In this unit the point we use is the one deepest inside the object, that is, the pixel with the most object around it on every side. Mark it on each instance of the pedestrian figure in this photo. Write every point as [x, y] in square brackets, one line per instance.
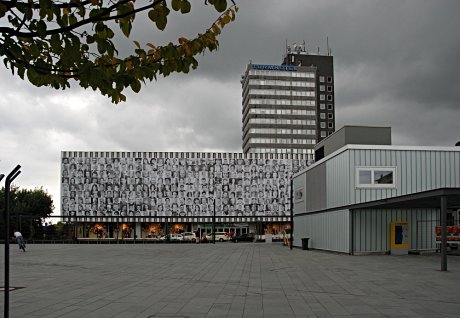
[20, 240]
[285, 239]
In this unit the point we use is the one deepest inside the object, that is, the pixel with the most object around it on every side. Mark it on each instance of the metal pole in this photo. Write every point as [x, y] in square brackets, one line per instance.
[167, 230]
[214, 223]
[443, 233]
[291, 239]
[13, 174]
[135, 234]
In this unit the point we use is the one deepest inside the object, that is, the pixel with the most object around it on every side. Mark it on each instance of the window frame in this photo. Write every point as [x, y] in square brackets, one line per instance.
[372, 169]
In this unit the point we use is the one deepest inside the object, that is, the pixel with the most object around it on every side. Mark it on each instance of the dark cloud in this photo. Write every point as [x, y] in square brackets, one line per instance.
[395, 65]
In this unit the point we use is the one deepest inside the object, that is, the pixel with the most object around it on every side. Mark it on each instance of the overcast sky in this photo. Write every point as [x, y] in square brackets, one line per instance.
[396, 64]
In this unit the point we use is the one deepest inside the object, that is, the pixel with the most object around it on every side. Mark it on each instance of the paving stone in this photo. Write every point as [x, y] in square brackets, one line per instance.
[225, 281]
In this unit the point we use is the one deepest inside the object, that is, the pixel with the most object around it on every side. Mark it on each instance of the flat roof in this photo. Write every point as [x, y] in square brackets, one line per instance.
[378, 147]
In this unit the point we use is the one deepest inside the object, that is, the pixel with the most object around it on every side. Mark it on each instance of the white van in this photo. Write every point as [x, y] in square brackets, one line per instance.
[189, 236]
[220, 236]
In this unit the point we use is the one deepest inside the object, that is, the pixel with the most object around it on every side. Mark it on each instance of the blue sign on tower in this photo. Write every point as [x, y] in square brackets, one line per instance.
[274, 67]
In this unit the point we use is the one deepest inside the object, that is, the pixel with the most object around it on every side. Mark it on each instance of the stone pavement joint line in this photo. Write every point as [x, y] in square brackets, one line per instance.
[227, 280]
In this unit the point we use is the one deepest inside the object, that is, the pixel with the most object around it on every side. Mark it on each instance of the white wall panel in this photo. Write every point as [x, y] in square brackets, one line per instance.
[327, 231]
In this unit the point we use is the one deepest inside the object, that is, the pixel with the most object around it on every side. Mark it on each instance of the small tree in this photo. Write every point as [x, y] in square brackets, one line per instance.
[53, 42]
[27, 209]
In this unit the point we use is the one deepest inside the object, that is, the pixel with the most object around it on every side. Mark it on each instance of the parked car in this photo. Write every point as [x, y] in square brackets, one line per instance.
[243, 238]
[171, 237]
[153, 237]
[189, 236]
[220, 236]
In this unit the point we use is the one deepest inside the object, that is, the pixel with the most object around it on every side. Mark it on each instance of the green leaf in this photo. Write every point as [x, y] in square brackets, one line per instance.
[176, 5]
[101, 46]
[220, 5]
[153, 15]
[33, 76]
[110, 33]
[136, 86]
[72, 19]
[186, 7]
[94, 12]
[45, 3]
[33, 49]
[41, 29]
[65, 20]
[55, 42]
[3, 10]
[126, 27]
[161, 22]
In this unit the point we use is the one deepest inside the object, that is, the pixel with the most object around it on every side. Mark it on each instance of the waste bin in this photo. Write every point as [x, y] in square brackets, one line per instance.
[305, 243]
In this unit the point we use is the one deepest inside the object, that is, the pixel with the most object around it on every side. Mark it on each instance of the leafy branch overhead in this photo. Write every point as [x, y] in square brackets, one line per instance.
[54, 42]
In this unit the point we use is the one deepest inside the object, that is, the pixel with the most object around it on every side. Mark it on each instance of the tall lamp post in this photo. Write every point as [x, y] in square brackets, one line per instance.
[291, 239]
[13, 174]
[214, 223]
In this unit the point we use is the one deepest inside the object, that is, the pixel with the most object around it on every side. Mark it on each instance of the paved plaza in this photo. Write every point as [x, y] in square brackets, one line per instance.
[226, 280]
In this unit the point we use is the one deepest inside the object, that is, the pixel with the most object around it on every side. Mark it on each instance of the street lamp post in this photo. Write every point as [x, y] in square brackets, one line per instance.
[291, 239]
[214, 223]
[13, 174]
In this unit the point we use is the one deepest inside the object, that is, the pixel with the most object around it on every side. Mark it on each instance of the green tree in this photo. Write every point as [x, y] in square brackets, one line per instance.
[54, 42]
[27, 209]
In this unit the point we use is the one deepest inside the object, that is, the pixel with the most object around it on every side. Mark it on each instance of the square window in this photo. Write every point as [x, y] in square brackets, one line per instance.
[329, 79]
[323, 134]
[322, 124]
[330, 107]
[365, 177]
[329, 97]
[322, 106]
[330, 125]
[330, 116]
[383, 177]
[322, 88]
[322, 97]
[329, 88]
[321, 79]
[322, 116]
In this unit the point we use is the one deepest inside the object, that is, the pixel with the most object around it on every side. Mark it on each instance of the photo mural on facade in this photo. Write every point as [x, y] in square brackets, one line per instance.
[159, 187]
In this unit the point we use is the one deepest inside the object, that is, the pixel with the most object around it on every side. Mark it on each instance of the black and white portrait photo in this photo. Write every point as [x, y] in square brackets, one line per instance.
[177, 186]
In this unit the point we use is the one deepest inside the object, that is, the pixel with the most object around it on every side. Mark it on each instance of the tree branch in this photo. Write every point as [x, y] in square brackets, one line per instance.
[14, 4]
[98, 17]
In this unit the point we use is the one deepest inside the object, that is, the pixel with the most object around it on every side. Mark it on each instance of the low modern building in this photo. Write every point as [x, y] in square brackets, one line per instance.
[146, 194]
[366, 196]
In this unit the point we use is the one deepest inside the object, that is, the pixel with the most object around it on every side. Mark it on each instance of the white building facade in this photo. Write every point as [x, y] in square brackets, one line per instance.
[347, 201]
